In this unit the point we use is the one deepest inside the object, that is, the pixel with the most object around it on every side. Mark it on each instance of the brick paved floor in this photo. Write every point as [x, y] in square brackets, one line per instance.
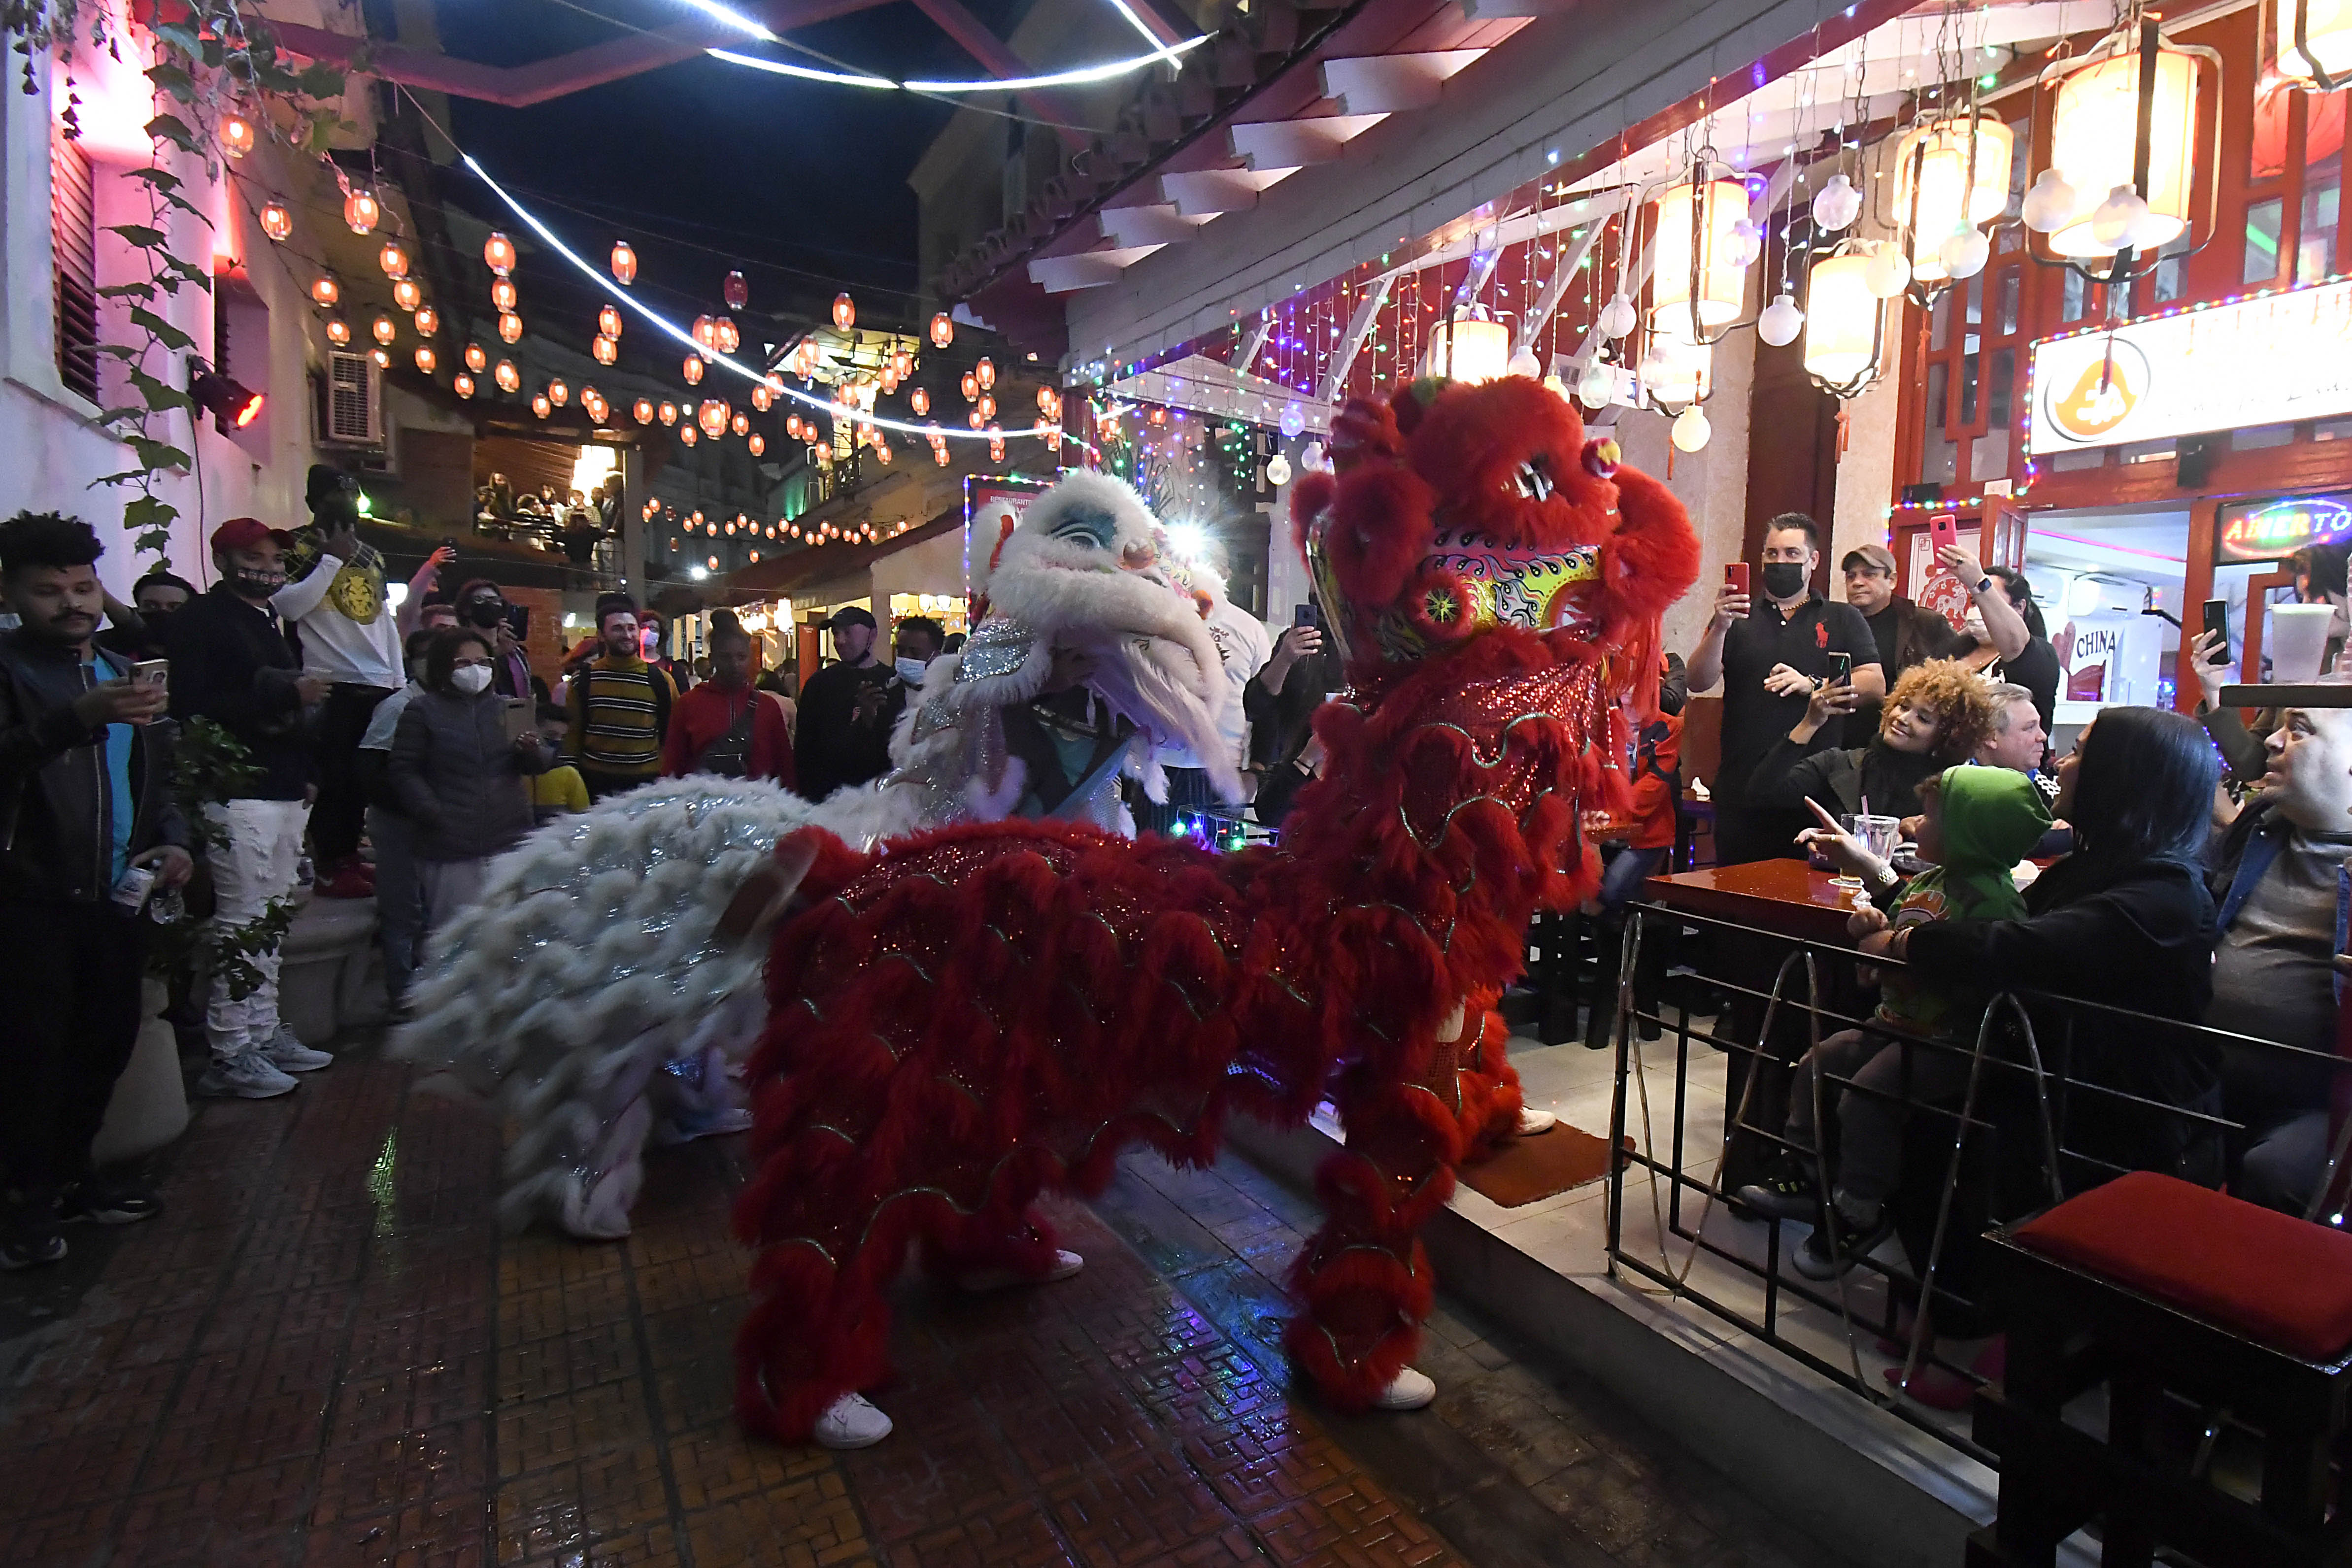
[325, 1354]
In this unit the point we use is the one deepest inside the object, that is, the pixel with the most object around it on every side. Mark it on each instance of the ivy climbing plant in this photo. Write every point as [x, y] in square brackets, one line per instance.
[212, 59]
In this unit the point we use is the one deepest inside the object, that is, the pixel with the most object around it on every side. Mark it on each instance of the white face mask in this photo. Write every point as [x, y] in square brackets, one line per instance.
[471, 679]
[910, 670]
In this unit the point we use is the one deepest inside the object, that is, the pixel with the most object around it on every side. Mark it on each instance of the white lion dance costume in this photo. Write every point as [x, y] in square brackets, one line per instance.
[592, 990]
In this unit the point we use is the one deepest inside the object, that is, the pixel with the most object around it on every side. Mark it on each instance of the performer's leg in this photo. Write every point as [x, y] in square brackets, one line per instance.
[1365, 1282]
[1007, 1243]
[1488, 1101]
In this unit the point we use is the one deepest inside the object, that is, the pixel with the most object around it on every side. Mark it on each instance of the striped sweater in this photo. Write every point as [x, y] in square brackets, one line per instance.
[620, 712]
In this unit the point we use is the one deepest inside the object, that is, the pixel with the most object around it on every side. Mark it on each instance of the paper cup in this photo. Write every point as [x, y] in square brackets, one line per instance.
[2298, 641]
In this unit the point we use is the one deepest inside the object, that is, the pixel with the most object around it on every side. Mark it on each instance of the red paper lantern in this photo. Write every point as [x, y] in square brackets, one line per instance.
[693, 370]
[987, 406]
[338, 332]
[669, 413]
[464, 384]
[762, 399]
[942, 331]
[558, 393]
[759, 444]
[844, 312]
[476, 360]
[713, 417]
[502, 294]
[499, 254]
[406, 294]
[426, 358]
[986, 371]
[643, 411]
[606, 350]
[275, 220]
[383, 359]
[741, 423]
[237, 135]
[361, 211]
[507, 377]
[393, 259]
[608, 321]
[903, 361]
[384, 331]
[625, 262]
[971, 384]
[428, 322]
[735, 291]
[511, 326]
[326, 292]
[920, 401]
[724, 332]
[686, 433]
[540, 405]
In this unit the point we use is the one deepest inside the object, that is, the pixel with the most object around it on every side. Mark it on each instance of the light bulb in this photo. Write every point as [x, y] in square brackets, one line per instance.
[1781, 321]
[1964, 253]
[2118, 218]
[1594, 387]
[1524, 363]
[1314, 457]
[2050, 204]
[1889, 272]
[1277, 470]
[1837, 203]
[1617, 316]
[1691, 429]
[1747, 243]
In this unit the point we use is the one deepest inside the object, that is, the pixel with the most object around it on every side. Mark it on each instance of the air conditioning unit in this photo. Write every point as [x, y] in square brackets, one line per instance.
[350, 408]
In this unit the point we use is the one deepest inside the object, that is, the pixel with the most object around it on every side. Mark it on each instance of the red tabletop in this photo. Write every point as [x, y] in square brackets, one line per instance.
[1785, 895]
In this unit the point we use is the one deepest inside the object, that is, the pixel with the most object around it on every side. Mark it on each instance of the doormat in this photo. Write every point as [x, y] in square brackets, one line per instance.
[1527, 1170]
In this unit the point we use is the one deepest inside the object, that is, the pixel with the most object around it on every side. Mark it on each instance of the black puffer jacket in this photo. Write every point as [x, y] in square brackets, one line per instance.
[459, 778]
[55, 839]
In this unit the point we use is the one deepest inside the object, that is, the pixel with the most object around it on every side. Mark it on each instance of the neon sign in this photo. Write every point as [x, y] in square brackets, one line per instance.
[2272, 530]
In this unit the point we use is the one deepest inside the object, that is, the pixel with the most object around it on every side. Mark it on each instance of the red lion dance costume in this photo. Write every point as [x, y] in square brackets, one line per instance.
[984, 1012]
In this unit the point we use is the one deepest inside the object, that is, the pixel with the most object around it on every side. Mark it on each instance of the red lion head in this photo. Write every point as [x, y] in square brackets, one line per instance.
[1458, 508]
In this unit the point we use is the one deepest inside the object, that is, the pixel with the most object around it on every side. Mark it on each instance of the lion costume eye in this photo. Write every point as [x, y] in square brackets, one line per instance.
[1087, 527]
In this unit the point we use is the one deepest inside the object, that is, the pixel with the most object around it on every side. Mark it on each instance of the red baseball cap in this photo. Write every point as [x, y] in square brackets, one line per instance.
[244, 533]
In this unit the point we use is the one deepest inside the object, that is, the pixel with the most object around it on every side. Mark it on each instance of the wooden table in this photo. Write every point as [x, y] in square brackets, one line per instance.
[1787, 896]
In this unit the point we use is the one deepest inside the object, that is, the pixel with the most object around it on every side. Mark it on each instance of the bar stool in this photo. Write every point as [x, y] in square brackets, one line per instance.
[2153, 1286]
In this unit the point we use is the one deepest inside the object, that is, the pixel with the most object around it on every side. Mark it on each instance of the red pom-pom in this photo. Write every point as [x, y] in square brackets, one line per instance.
[1441, 605]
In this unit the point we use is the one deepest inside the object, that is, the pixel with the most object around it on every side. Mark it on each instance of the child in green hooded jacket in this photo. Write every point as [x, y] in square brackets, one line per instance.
[1975, 823]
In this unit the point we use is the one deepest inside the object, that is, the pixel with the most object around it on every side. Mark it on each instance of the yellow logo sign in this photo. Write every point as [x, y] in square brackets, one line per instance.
[2102, 396]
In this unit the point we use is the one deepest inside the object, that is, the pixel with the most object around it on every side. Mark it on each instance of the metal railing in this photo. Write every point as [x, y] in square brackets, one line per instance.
[2025, 1084]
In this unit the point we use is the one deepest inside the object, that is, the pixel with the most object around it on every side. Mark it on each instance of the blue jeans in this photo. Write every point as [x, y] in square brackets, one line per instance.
[1627, 869]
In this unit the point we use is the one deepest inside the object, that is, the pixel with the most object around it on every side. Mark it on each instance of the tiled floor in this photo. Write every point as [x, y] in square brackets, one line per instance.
[325, 1353]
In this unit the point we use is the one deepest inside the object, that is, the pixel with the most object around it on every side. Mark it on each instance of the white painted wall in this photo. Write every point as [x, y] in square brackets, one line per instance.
[55, 446]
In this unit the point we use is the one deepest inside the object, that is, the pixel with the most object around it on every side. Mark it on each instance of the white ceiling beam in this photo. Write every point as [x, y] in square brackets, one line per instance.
[1392, 84]
[1296, 143]
[1133, 226]
[1206, 192]
[1359, 327]
[1088, 269]
[1257, 343]
[1555, 290]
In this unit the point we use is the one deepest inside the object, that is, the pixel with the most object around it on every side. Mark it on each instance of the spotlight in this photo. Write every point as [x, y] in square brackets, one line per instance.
[232, 406]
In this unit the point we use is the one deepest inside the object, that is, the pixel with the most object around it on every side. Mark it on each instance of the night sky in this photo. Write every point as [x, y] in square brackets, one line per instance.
[803, 184]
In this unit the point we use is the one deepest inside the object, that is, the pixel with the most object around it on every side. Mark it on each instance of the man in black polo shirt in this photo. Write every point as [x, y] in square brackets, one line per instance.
[1770, 658]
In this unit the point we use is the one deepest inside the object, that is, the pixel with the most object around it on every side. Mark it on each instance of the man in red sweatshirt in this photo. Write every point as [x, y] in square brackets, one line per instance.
[725, 725]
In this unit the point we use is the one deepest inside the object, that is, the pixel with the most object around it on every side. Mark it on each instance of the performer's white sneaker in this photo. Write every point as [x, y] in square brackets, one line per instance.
[1409, 1390]
[1532, 1121]
[851, 1421]
[980, 1281]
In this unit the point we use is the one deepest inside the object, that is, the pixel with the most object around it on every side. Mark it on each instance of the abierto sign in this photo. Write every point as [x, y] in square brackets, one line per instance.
[2262, 360]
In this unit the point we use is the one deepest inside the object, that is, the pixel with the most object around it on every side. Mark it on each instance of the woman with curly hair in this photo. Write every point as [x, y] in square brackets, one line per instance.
[1938, 713]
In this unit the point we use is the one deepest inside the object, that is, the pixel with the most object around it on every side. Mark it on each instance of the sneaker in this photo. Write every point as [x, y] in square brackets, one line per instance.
[1532, 1122]
[1815, 1260]
[982, 1280]
[108, 1204]
[1785, 1188]
[289, 1054]
[1409, 1390]
[248, 1075]
[31, 1251]
[851, 1422]
[353, 879]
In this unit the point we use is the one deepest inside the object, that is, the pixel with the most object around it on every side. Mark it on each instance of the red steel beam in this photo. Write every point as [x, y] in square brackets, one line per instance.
[520, 87]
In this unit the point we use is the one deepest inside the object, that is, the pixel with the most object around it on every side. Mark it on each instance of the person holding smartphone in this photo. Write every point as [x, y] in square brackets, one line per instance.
[1771, 653]
[88, 829]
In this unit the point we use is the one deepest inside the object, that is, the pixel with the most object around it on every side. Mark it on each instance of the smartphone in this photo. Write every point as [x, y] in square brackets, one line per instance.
[2217, 622]
[1841, 669]
[152, 673]
[1306, 615]
[1735, 576]
[1944, 531]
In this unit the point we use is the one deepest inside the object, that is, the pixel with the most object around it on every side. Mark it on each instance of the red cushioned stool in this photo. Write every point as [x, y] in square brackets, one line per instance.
[2154, 1288]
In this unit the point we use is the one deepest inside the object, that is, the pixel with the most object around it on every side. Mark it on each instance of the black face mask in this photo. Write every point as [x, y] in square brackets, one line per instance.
[1784, 579]
[258, 584]
[486, 612]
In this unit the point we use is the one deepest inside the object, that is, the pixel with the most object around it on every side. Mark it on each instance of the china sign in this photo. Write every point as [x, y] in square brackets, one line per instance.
[2264, 360]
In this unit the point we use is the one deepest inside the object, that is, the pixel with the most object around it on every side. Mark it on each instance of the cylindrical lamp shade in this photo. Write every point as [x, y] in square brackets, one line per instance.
[2094, 137]
[2326, 46]
[1470, 350]
[1708, 213]
[1677, 373]
[1841, 321]
[1939, 193]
